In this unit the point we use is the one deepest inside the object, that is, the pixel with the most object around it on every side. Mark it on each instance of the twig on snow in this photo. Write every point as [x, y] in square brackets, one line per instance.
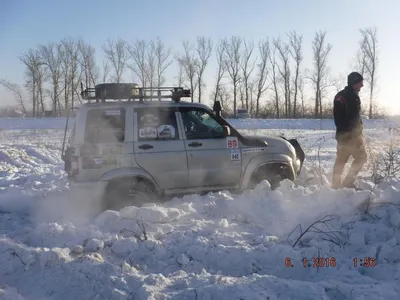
[137, 235]
[323, 221]
[143, 228]
[14, 254]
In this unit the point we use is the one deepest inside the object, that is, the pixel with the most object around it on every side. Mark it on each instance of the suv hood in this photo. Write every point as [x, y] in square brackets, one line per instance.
[275, 144]
[270, 140]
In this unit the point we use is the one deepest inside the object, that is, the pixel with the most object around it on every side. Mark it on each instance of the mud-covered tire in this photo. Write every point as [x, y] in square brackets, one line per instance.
[274, 174]
[129, 192]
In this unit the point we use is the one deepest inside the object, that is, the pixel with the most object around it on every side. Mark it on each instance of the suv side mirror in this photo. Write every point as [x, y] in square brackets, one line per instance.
[227, 130]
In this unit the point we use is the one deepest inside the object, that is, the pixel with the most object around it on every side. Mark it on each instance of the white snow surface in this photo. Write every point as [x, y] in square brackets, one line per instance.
[218, 246]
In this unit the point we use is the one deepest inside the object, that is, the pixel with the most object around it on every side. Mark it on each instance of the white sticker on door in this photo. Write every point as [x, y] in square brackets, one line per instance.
[235, 155]
[166, 131]
[148, 133]
[232, 142]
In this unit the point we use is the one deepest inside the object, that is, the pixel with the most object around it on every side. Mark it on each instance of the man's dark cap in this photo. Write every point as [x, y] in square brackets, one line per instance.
[353, 78]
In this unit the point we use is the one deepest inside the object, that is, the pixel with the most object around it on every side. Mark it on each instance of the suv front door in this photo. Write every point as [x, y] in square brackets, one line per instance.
[158, 147]
[214, 160]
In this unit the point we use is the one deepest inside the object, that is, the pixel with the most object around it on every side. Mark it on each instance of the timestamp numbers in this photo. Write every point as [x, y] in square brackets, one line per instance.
[316, 262]
[319, 262]
[368, 262]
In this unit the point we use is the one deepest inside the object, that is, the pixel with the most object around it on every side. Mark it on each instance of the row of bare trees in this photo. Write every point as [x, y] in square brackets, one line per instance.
[266, 77]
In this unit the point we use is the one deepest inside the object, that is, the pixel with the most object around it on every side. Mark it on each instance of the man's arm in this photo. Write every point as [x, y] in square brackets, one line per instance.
[340, 113]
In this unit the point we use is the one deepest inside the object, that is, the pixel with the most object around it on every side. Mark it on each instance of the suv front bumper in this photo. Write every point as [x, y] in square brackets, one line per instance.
[300, 155]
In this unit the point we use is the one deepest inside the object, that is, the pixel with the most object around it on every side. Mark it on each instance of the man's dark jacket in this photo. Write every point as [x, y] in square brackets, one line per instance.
[347, 114]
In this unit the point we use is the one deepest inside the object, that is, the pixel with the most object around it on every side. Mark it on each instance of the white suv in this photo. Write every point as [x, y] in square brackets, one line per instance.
[136, 150]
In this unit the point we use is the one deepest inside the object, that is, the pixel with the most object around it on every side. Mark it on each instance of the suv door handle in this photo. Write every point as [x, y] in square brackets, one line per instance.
[145, 147]
[195, 144]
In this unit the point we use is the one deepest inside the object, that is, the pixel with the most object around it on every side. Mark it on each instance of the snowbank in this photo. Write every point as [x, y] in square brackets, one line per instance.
[217, 246]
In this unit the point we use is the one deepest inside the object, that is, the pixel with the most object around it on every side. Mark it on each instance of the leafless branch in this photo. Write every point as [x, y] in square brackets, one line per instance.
[204, 50]
[116, 53]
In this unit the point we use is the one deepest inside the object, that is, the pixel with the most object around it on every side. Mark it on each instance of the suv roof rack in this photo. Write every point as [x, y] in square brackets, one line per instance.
[131, 91]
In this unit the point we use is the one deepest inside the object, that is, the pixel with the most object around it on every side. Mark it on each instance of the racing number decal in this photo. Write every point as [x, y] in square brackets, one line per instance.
[235, 156]
[232, 142]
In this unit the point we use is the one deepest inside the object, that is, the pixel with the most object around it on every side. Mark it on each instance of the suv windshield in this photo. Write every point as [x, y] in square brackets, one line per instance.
[199, 123]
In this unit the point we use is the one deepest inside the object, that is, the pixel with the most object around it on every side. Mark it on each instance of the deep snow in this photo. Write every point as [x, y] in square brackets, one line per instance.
[218, 246]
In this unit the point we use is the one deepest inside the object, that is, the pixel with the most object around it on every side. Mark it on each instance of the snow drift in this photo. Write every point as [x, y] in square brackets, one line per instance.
[302, 241]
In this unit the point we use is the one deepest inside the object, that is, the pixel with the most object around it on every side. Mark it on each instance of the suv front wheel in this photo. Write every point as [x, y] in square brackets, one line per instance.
[273, 173]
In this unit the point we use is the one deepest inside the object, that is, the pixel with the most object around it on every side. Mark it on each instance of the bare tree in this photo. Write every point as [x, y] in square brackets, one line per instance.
[221, 65]
[284, 71]
[369, 45]
[224, 96]
[66, 65]
[252, 91]
[262, 75]
[319, 75]
[34, 74]
[275, 81]
[180, 76]
[88, 63]
[247, 68]
[71, 60]
[339, 82]
[15, 89]
[151, 64]
[360, 62]
[242, 94]
[301, 95]
[204, 50]
[116, 53]
[54, 71]
[296, 51]
[106, 71]
[189, 63]
[52, 56]
[233, 59]
[41, 77]
[150, 61]
[138, 53]
[163, 61]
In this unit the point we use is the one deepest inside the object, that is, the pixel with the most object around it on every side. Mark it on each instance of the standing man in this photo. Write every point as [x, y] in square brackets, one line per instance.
[349, 132]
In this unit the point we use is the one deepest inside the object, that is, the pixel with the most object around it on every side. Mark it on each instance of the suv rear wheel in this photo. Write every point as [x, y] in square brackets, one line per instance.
[129, 192]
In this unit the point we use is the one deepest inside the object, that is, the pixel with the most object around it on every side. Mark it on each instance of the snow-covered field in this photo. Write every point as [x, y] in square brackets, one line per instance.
[219, 246]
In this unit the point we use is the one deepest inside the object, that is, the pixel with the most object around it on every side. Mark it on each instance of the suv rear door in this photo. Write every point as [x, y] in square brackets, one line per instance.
[100, 143]
[213, 159]
[158, 146]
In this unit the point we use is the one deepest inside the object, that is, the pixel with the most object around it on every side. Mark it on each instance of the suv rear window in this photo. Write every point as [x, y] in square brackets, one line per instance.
[105, 126]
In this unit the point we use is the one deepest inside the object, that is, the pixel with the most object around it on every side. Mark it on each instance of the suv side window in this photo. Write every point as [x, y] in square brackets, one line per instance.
[156, 124]
[200, 124]
[105, 125]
